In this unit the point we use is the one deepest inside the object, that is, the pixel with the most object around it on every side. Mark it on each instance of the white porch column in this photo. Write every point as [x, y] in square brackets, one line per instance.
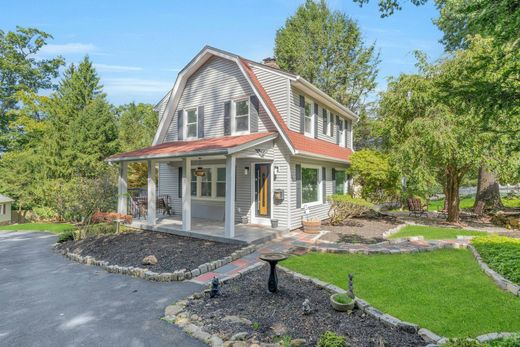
[186, 194]
[122, 188]
[229, 226]
[152, 189]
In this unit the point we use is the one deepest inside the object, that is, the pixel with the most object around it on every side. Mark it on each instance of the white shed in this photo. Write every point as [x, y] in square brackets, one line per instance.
[5, 209]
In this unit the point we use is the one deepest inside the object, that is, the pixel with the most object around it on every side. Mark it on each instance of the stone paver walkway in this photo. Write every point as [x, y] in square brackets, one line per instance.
[297, 242]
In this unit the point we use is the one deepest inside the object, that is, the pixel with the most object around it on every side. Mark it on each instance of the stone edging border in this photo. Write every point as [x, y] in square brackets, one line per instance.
[427, 335]
[179, 275]
[502, 282]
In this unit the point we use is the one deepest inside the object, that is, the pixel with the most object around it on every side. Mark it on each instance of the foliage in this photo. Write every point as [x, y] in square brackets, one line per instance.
[21, 72]
[109, 217]
[331, 339]
[371, 169]
[434, 233]
[444, 290]
[90, 230]
[326, 48]
[342, 298]
[45, 213]
[67, 235]
[502, 254]
[512, 341]
[343, 207]
[365, 130]
[462, 343]
[388, 7]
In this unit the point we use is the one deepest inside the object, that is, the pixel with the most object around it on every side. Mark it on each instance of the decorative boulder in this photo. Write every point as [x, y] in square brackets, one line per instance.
[149, 260]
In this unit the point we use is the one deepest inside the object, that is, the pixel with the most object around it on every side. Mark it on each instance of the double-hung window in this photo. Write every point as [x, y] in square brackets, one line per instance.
[308, 124]
[241, 116]
[191, 123]
[340, 181]
[211, 185]
[311, 182]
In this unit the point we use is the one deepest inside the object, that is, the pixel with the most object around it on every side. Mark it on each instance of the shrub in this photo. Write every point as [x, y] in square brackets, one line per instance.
[502, 254]
[109, 217]
[97, 229]
[45, 213]
[344, 206]
[66, 236]
[331, 339]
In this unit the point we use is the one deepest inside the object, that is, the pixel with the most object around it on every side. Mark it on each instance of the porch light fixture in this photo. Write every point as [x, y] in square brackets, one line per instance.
[276, 170]
[200, 172]
[246, 170]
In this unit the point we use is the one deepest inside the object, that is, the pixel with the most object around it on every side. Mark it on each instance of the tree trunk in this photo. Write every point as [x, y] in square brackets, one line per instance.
[488, 189]
[452, 195]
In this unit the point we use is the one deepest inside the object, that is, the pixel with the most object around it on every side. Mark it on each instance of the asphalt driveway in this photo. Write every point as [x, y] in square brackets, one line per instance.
[48, 300]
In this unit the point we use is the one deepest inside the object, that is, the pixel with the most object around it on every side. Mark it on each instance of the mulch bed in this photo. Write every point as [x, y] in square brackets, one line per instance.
[273, 316]
[360, 230]
[172, 252]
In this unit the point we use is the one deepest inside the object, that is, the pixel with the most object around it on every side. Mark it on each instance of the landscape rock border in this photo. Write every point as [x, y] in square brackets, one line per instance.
[427, 335]
[502, 282]
[179, 275]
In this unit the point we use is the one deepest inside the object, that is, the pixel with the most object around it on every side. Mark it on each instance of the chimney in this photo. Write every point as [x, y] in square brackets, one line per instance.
[271, 62]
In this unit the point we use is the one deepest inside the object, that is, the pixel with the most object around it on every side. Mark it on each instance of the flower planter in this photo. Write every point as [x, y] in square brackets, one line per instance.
[341, 305]
[312, 226]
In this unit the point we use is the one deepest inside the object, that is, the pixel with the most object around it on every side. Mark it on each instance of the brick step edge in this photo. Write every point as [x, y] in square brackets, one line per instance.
[502, 282]
[179, 275]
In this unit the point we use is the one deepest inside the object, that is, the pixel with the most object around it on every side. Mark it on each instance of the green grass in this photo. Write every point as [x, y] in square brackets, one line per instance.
[444, 291]
[434, 233]
[53, 228]
[468, 202]
[502, 254]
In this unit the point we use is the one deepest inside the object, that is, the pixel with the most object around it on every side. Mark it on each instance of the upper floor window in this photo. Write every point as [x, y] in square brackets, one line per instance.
[191, 123]
[241, 116]
[308, 124]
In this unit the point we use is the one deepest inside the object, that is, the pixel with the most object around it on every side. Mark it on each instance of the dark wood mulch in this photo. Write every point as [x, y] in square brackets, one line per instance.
[360, 230]
[281, 314]
[172, 252]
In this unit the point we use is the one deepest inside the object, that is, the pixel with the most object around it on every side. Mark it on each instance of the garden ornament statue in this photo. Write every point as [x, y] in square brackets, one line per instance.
[215, 288]
[350, 291]
[306, 307]
[306, 211]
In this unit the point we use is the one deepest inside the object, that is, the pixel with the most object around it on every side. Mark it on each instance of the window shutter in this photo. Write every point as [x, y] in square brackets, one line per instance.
[253, 113]
[348, 134]
[298, 186]
[337, 129]
[180, 127]
[325, 123]
[200, 121]
[179, 183]
[302, 114]
[315, 120]
[324, 184]
[333, 181]
[227, 118]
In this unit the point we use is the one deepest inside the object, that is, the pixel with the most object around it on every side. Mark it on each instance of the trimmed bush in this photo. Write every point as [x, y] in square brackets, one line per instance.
[109, 217]
[66, 236]
[343, 207]
[502, 254]
[331, 339]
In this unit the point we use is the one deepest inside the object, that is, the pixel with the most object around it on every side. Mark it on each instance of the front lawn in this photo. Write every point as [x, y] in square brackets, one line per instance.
[434, 233]
[444, 291]
[53, 228]
[502, 254]
[468, 202]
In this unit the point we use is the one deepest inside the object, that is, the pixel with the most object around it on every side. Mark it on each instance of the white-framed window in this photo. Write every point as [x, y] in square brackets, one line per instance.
[341, 132]
[328, 126]
[311, 185]
[192, 125]
[308, 122]
[241, 116]
[211, 186]
[341, 178]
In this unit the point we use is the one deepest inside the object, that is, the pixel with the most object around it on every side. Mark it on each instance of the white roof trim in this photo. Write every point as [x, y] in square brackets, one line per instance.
[251, 144]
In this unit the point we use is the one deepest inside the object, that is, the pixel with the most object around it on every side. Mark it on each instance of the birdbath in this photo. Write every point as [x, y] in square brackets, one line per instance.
[118, 222]
[273, 259]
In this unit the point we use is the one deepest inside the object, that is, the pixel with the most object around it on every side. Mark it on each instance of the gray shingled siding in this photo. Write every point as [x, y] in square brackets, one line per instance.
[276, 87]
[217, 81]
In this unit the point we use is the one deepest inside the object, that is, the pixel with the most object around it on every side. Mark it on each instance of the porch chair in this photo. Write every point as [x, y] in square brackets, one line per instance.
[163, 205]
[416, 208]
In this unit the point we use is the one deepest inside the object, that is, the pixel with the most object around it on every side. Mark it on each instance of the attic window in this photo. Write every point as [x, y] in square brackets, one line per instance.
[241, 119]
[191, 123]
[308, 121]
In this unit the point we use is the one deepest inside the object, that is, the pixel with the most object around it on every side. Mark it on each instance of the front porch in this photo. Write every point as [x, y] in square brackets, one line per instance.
[210, 230]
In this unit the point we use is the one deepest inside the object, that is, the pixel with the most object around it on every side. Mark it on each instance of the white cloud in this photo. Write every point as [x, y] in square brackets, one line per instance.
[117, 68]
[68, 48]
[135, 85]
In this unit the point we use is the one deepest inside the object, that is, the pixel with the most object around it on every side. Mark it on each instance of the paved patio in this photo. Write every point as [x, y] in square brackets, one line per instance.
[211, 230]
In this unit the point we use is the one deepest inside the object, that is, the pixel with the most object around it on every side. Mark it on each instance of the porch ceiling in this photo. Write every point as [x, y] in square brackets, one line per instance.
[196, 148]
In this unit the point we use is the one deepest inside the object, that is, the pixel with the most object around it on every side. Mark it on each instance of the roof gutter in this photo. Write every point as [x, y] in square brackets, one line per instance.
[171, 155]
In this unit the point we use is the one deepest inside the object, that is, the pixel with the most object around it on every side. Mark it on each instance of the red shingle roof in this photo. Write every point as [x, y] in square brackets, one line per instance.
[178, 148]
[298, 140]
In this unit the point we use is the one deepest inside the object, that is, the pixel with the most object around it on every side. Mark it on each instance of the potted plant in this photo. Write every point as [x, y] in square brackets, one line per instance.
[312, 226]
[342, 302]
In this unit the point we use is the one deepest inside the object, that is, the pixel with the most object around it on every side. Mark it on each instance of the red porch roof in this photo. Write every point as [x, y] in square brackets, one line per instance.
[217, 145]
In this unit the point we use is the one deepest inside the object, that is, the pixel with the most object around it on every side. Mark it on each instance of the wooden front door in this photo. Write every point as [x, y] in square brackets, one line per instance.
[262, 189]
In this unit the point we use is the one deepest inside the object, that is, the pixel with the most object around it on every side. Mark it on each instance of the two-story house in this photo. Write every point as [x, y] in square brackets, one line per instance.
[241, 142]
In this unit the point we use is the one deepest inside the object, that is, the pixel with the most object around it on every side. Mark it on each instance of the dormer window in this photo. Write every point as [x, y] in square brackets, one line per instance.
[309, 120]
[241, 116]
[191, 123]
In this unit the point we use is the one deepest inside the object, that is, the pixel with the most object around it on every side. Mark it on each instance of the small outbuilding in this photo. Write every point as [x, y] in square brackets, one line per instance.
[5, 209]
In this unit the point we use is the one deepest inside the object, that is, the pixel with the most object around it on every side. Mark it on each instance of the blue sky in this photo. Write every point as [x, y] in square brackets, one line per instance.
[139, 46]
